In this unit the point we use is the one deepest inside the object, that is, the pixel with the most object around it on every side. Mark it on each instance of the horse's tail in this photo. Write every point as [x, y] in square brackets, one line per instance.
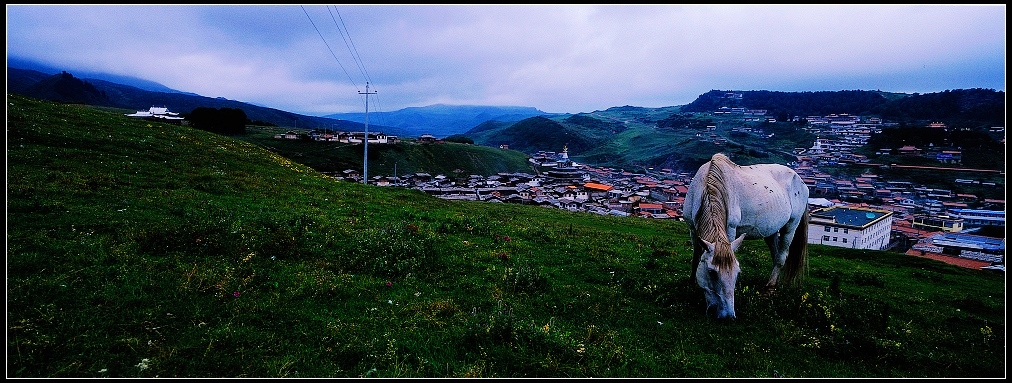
[797, 256]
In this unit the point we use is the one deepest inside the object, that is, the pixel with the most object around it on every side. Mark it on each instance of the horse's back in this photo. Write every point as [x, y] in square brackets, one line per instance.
[770, 194]
[761, 196]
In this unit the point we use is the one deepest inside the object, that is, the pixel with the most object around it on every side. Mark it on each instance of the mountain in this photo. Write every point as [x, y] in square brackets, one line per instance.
[983, 106]
[442, 120]
[65, 87]
[18, 80]
[538, 134]
[681, 137]
[675, 137]
[620, 137]
[17, 62]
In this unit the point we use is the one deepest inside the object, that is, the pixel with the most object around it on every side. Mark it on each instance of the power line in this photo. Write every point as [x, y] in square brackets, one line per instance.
[328, 47]
[349, 43]
[361, 66]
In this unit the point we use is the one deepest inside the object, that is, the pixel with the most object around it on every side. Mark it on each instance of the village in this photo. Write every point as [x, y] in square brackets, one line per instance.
[919, 221]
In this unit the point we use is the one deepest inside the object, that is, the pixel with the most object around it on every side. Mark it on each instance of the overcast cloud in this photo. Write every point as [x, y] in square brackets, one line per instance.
[557, 58]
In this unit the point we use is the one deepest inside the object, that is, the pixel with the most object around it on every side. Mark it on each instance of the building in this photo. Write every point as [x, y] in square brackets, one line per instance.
[943, 222]
[853, 227]
[157, 113]
[961, 246]
[426, 139]
[979, 218]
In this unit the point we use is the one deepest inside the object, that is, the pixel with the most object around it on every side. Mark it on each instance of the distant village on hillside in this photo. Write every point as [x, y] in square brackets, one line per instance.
[919, 221]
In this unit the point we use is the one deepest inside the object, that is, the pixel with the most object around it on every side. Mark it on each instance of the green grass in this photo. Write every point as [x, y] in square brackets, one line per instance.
[406, 157]
[630, 138]
[136, 249]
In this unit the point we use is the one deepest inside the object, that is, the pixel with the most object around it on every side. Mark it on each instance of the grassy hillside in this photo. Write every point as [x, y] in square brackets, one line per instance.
[403, 158]
[637, 138]
[137, 249]
[40, 85]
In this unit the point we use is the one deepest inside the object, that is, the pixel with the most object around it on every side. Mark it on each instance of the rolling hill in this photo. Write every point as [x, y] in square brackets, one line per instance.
[680, 137]
[138, 249]
[24, 64]
[399, 159]
[443, 120]
[64, 87]
[626, 137]
[635, 138]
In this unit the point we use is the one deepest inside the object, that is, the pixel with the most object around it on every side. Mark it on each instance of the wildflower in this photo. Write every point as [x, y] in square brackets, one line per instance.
[235, 294]
[389, 283]
[143, 365]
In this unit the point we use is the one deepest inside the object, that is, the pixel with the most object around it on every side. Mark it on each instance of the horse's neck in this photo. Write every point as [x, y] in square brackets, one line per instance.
[713, 210]
[712, 220]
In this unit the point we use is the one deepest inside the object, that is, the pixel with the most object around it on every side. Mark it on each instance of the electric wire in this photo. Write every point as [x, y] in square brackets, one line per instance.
[353, 50]
[328, 47]
[348, 42]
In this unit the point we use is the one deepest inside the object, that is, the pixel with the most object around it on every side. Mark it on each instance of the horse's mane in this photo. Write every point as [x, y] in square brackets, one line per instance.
[711, 219]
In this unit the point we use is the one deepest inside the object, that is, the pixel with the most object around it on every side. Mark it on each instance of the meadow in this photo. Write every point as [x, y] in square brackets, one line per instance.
[140, 249]
[400, 159]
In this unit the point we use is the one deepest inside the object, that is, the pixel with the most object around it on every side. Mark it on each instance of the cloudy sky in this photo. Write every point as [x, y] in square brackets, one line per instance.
[316, 59]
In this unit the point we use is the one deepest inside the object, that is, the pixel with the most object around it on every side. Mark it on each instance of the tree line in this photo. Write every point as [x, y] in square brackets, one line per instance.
[967, 107]
[224, 121]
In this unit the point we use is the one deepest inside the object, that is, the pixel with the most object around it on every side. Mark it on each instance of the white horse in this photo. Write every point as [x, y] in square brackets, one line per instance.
[725, 201]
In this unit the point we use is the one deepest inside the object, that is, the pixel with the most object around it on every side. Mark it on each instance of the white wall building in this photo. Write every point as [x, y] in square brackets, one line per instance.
[156, 112]
[853, 227]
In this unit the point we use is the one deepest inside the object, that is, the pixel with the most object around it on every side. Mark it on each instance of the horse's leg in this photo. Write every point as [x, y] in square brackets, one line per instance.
[697, 252]
[780, 247]
[779, 257]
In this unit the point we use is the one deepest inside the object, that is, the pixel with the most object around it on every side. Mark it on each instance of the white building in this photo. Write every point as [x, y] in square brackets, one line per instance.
[853, 227]
[156, 112]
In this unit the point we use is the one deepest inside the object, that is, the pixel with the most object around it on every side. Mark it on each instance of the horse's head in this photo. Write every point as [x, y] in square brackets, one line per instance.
[717, 274]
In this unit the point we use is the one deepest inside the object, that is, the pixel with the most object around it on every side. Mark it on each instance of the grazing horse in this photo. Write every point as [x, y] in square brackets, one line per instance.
[726, 201]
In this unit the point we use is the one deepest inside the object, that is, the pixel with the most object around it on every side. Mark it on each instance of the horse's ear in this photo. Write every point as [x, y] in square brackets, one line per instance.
[709, 245]
[737, 242]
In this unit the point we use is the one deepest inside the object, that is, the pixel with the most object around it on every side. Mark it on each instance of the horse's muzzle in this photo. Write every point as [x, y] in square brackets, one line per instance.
[715, 312]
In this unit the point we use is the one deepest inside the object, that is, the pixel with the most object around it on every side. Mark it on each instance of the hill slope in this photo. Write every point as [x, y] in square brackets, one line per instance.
[442, 120]
[48, 87]
[638, 138]
[399, 159]
[18, 63]
[137, 249]
[680, 137]
[953, 107]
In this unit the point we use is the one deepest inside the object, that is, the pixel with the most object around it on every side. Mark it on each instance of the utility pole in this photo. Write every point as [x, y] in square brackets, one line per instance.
[365, 157]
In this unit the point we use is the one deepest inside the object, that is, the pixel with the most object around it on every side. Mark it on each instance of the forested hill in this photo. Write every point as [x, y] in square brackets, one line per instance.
[982, 106]
[67, 88]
